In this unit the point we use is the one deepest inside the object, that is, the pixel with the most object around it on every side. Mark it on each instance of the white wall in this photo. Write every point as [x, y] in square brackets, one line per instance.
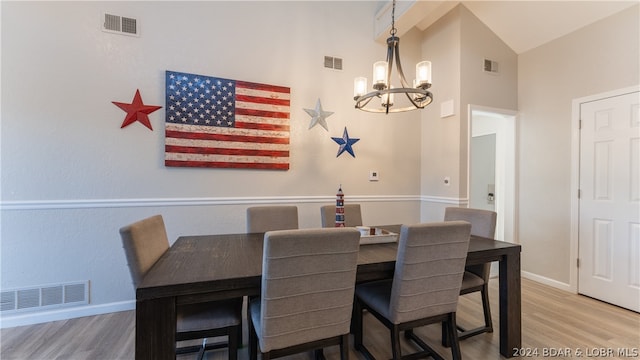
[71, 176]
[598, 58]
[601, 57]
[441, 136]
[458, 43]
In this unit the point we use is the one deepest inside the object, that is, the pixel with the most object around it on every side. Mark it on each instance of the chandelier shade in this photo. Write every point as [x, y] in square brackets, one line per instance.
[417, 94]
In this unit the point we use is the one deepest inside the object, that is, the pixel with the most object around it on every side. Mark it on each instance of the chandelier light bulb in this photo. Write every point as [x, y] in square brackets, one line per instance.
[359, 86]
[423, 73]
[380, 74]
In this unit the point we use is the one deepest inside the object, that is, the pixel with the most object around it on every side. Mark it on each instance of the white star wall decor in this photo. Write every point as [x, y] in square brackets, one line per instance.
[319, 116]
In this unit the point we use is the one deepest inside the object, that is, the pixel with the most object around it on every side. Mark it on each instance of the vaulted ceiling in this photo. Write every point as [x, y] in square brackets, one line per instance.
[522, 25]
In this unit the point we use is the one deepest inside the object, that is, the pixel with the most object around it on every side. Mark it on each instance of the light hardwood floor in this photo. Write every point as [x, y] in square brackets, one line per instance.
[552, 320]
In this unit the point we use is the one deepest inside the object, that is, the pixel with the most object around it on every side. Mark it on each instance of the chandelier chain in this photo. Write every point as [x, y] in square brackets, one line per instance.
[393, 20]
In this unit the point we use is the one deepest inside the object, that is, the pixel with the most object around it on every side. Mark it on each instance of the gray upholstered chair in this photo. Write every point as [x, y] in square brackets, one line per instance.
[266, 218]
[476, 277]
[425, 287]
[144, 242]
[352, 215]
[308, 280]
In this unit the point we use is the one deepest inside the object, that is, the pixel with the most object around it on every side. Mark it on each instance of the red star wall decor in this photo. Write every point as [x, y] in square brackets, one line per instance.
[137, 111]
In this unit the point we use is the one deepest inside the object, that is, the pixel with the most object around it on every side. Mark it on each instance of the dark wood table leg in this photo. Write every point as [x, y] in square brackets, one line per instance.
[510, 304]
[156, 329]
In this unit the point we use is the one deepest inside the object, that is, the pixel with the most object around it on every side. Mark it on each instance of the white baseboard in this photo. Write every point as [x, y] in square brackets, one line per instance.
[547, 281]
[64, 314]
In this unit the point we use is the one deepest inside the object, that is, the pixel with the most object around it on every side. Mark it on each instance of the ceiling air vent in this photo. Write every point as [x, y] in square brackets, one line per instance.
[120, 25]
[490, 66]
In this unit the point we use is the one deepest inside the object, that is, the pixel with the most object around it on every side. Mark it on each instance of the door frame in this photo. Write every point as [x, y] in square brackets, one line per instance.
[575, 177]
[510, 223]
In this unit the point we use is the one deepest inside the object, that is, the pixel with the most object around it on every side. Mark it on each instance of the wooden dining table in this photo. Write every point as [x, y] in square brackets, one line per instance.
[212, 267]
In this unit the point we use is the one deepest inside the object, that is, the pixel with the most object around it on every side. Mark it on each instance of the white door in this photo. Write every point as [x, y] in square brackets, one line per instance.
[482, 186]
[609, 223]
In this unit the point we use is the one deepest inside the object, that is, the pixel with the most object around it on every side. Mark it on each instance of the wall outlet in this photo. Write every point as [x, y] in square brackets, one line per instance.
[374, 175]
[447, 181]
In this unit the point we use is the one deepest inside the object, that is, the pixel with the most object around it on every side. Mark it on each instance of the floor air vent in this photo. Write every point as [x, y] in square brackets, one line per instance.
[44, 297]
[120, 25]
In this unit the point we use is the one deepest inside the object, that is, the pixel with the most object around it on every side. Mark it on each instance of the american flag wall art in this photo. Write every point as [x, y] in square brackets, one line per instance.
[222, 123]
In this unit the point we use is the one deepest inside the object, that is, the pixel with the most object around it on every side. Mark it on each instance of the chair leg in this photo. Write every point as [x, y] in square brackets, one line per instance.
[344, 347]
[408, 333]
[453, 336]
[488, 324]
[318, 354]
[233, 341]
[427, 351]
[487, 309]
[357, 324]
[253, 340]
[200, 354]
[446, 340]
[395, 343]
[359, 330]
[241, 324]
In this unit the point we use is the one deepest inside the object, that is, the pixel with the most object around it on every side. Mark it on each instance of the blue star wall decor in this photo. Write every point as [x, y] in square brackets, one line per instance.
[318, 116]
[345, 143]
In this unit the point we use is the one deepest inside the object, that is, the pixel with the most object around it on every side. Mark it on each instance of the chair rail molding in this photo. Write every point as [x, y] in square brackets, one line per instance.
[445, 200]
[205, 201]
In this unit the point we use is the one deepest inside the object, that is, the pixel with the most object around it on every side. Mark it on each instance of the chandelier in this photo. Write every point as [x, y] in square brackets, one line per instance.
[417, 94]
